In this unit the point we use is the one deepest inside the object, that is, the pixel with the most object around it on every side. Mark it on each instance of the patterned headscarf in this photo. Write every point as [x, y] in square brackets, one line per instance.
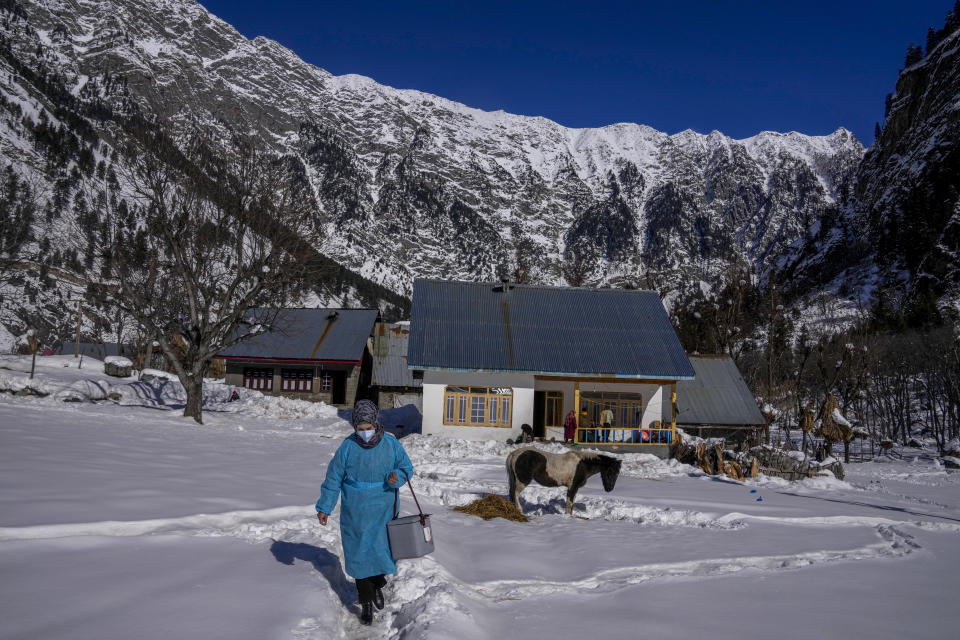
[367, 411]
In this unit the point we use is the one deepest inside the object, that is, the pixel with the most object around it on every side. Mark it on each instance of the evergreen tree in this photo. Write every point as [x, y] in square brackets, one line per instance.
[913, 56]
[932, 40]
[952, 20]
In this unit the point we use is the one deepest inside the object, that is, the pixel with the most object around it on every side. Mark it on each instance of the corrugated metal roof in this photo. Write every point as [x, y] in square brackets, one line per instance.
[98, 350]
[717, 396]
[563, 330]
[309, 334]
[390, 369]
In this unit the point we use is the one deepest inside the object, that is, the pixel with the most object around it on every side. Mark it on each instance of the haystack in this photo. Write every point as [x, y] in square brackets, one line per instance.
[493, 506]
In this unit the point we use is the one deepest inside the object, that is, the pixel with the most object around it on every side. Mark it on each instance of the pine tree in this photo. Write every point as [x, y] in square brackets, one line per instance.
[952, 20]
[932, 40]
[913, 56]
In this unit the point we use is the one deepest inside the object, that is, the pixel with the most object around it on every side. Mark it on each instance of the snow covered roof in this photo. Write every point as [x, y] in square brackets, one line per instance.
[540, 329]
[717, 396]
[308, 335]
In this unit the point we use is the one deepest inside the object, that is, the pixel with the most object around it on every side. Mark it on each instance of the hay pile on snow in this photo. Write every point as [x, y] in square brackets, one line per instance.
[493, 506]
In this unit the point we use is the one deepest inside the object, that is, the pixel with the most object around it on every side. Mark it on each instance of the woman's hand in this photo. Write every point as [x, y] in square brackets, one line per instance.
[392, 478]
[322, 517]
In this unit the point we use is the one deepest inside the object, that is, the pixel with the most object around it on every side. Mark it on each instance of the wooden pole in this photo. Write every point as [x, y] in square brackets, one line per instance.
[34, 345]
[76, 341]
[673, 408]
[576, 409]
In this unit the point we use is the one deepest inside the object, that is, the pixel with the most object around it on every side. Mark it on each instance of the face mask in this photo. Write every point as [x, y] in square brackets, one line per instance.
[366, 434]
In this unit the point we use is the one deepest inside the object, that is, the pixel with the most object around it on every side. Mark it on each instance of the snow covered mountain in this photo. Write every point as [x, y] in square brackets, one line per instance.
[411, 184]
[894, 239]
[908, 186]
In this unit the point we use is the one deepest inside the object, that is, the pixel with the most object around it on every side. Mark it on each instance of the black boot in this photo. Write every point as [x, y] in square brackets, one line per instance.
[366, 613]
[378, 598]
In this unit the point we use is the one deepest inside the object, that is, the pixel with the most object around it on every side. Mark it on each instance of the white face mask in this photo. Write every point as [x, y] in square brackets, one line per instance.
[366, 434]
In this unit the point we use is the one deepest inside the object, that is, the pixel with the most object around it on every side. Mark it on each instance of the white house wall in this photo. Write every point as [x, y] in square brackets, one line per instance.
[434, 383]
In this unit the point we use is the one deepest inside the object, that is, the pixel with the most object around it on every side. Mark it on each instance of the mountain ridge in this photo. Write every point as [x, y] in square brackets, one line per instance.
[449, 190]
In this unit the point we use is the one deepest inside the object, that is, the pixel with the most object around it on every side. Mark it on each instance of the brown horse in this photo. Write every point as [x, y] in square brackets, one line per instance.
[569, 469]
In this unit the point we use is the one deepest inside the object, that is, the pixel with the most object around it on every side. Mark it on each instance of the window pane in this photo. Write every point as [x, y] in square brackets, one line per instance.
[553, 409]
[476, 409]
[478, 389]
[450, 403]
[462, 417]
[493, 409]
[505, 411]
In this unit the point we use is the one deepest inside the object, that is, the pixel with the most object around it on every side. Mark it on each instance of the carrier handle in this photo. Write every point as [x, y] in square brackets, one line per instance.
[396, 495]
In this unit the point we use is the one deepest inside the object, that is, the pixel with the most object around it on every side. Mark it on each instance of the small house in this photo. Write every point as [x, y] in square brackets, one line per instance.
[311, 354]
[717, 403]
[394, 383]
[496, 356]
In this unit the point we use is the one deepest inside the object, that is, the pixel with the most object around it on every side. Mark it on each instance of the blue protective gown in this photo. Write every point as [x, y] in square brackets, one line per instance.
[360, 476]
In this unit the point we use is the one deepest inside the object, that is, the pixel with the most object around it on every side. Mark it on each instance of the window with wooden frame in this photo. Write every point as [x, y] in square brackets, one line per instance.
[326, 381]
[259, 379]
[478, 406]
[299, 380]
[553, 409]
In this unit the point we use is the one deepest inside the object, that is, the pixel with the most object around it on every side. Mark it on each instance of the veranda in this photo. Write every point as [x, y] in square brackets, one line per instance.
[637, 414]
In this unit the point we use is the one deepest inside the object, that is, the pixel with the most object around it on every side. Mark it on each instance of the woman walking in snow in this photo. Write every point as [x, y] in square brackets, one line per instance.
[366, 469]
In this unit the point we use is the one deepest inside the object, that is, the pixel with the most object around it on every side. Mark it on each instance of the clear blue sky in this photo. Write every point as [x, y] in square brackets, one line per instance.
[738, 67]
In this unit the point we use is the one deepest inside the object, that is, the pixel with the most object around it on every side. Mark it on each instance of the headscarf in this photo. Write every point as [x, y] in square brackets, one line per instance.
[367, 411]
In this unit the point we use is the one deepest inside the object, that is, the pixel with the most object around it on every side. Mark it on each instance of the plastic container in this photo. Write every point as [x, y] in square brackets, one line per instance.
[409, 538]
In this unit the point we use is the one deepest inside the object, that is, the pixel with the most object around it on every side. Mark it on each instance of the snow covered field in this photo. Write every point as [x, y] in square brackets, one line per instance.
[121, 519]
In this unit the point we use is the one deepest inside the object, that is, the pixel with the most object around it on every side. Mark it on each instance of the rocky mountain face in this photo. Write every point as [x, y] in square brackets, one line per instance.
[908, 186]
[894, 238]
[411, 184]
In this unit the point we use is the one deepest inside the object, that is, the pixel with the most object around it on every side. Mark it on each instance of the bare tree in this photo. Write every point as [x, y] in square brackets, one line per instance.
[578, 262]
[523, 260]
[216, 238]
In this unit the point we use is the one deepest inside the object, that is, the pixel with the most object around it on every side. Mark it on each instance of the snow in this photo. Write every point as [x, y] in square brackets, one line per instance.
[8, 341]
[121, 518]
[158, 373]
[838, 418]
[119, 361]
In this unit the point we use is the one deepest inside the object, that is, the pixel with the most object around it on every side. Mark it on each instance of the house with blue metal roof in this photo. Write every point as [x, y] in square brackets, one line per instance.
[496, 356]
[717, 403]
[312, 354]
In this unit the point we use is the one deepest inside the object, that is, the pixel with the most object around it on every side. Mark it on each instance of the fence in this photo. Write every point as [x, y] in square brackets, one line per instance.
[600, 435]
